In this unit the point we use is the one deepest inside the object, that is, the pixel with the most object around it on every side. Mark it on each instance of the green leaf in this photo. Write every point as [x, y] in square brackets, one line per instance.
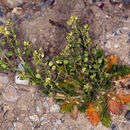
[50, 63]
[53, 68]
[85, 59]
[106, 120]
[103, 110]
[100, 61]
[66, 62]
[128, 107]
[82, 108]
[66, 107]
[38, 76]
[2, 42]
[4, 65]
[10, 53]
[95, 66]
[93, 76]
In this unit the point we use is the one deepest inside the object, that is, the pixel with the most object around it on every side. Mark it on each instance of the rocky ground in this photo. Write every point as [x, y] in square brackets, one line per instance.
[43, 22]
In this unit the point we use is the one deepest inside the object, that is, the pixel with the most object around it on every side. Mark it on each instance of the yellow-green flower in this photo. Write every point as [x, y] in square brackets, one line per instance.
[27, 44]
[50, 63]
[72, 20]
[42, 55]
[83, 70]
[8, 22]
[6, 32]
[53, 68]
[47, 81]
[2, 29]
[58, 62]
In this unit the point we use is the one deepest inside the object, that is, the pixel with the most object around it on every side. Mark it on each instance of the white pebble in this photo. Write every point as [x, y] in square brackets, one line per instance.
[108, 45]
[37, 109]
[125, 28]
[19, 81]
[34, 118]
[54, 108]
[45, 104]
[14, 124]
[116, 46]
[42, 118]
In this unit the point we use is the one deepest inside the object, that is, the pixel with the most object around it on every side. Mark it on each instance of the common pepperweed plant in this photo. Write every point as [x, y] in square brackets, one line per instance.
[79, 76]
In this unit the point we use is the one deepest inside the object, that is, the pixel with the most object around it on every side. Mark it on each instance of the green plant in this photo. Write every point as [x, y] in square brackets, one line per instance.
[77, 77]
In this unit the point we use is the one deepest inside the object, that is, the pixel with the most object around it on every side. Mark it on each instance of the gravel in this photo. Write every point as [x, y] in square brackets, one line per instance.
[127, 115]
[1, 108]
[114, 127]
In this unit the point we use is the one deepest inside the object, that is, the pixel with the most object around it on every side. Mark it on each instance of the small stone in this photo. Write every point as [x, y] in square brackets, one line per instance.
[62, 118]
[116, 46]
[37, 127]
[49, 2]
[1, 23]
[54, 108]
[28, 16]
[127, 115]
[54, 128]
[45, 104]
[22, 19]
[128, 41]
[118, 32]
[115, 0]
[114, 127]
[57, 122]
[1, 13]
[39, 107]
[18, 11]
[129, 34]
[108, 45]
[34, 118]
[126, 1]
[9, 128]
[42, 6]
[4, 78]
[14, 124]
[42, 119]
[129, 53]
[105, 41]
[11, 93]
[45, 122]
[70, 127]
[13, 3]
[125, 17]
[125, 28]
[1, 108]
[98, 0]
[114, 34]
[14, 19]
[34, 40]
[19, 81]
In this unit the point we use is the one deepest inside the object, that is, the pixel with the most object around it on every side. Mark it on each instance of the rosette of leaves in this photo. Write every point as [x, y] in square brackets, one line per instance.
[81, 68]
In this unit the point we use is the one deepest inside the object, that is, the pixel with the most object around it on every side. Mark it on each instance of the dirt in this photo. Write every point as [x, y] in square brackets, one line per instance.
[103, 24]
[25, 107]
